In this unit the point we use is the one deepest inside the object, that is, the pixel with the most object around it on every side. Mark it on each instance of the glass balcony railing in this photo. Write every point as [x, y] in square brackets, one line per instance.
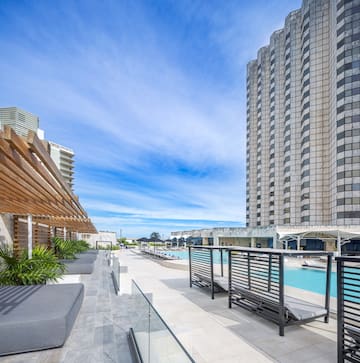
[115, 272]
[152, 339]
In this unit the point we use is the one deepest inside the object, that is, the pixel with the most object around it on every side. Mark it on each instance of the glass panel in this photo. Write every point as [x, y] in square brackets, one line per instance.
[154, 339]
[115, 266]
[163, 347]
[141, 322]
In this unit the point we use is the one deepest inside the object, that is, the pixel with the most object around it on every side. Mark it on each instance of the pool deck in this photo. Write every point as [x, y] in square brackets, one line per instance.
[213, 333]
[210, 331]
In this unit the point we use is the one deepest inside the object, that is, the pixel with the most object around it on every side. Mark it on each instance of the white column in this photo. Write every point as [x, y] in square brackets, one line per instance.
[64, 233]
[215, 240]
[298, 243]
[339, 244]
[30, 234]
[253, 243]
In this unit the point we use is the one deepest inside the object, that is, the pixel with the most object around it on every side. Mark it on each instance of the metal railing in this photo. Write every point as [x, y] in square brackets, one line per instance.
[151, 339]
[348, 308]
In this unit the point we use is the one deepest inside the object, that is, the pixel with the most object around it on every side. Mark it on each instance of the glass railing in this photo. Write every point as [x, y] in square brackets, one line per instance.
[153, 340]
[115, 272]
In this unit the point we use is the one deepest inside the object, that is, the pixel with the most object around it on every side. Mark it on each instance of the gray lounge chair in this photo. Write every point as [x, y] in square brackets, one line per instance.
[295, 310]
[75, 267]
[37, 317]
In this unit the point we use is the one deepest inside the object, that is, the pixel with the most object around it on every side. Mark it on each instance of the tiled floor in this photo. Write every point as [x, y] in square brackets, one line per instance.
[213, 333]
[210, 331]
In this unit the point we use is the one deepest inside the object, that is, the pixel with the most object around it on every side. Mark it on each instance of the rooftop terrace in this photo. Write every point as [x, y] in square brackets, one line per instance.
[207, 328]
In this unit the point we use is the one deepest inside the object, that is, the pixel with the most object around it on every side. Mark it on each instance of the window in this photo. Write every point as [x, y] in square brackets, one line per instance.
[349, 214]
[305, 196]
[305, 173]
[305, 185]
[348, 187]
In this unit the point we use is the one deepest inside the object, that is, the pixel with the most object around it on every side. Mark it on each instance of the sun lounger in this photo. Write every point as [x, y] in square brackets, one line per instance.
[75, 267]
[86, 256]
[37, 317]
[294, 311]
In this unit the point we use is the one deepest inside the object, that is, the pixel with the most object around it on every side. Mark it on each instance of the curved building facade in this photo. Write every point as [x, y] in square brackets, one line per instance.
[303, 119]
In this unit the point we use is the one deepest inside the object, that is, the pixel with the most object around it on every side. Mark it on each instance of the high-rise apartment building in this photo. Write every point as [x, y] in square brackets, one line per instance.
[22, 122]
[64, 160]
[303, 119]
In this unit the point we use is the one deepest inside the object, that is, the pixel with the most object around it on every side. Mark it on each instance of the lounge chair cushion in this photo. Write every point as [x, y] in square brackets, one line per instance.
[37, 317]
[303, 310]
[299, 309]
[86, 256]
[75, 267]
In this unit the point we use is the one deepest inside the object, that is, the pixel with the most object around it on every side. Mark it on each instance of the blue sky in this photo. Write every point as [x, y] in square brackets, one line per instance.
[149, 94]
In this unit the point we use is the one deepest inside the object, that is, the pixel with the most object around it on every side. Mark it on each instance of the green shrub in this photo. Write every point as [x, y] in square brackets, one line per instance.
[64, 249]
[81, 245]
[107, 247]
[41, 268]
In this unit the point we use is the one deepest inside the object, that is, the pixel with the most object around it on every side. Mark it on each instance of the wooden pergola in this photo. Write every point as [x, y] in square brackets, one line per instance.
[33, 190]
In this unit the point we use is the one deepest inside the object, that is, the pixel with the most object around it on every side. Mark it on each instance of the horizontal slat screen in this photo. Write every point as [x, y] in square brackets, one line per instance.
[349, 309]
[255, 272]
[200, 264]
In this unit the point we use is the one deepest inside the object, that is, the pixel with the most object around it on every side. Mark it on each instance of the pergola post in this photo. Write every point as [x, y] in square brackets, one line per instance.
[36, 234]
[16, 246]
[49, 237]
[30, 235]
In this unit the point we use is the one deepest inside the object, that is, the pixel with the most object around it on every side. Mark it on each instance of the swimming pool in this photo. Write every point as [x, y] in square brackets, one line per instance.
[301, 278]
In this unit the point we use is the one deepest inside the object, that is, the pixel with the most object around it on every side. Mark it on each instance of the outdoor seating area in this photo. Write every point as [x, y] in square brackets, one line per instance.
[83, 264]
[41, 219]
[37, 317]
[256, 282]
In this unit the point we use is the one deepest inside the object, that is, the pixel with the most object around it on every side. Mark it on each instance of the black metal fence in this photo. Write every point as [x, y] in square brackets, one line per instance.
[348, 309]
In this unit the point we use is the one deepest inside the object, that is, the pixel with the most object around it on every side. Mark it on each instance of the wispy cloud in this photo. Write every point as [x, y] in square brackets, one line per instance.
[150, 97]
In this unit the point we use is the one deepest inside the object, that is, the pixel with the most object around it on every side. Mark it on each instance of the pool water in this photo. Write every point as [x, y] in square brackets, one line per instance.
[301, 278]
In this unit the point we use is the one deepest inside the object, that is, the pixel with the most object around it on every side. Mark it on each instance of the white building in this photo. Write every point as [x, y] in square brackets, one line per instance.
[22, 122]
[103, 238]
[19, 120]
[64, 160]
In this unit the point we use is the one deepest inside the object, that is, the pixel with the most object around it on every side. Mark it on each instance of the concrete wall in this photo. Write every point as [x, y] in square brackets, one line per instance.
[101, 236]
[234, 241]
